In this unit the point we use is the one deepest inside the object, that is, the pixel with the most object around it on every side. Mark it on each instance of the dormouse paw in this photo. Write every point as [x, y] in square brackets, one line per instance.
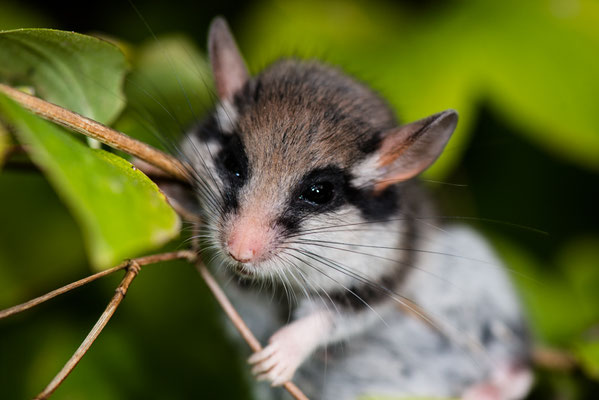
[278, 361]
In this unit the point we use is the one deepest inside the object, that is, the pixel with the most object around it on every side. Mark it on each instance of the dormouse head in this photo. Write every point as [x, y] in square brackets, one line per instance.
[295, 149]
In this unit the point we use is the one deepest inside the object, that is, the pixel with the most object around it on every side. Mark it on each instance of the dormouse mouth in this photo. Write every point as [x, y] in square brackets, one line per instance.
[243, 270]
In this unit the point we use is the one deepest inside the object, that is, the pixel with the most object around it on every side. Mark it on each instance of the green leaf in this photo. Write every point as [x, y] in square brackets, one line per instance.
[81, 73]
[534, 62]
[4, 144]
[169, 88]
[121, 211]
[588, 355]
[579, 259]
[541, 73]
[560, 302]
[54, 241]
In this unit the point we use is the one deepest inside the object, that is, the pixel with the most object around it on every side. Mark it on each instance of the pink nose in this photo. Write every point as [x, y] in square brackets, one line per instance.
[240, 251]
[248, 240]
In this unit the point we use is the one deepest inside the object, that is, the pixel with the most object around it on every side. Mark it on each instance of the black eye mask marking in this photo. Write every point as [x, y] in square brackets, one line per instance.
[233, 168]
[375, 207]
[208, 130]
[328, 189]
[319, 191]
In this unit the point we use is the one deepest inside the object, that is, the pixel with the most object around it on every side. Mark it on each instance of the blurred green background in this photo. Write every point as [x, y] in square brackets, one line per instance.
[524, 77]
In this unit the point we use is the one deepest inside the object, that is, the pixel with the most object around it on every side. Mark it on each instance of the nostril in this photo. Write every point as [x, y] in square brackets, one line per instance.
[243, 258]
[241, 250]
[248, 240]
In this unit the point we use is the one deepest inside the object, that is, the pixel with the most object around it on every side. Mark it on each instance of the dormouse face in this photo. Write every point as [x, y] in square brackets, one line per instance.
[295, 152]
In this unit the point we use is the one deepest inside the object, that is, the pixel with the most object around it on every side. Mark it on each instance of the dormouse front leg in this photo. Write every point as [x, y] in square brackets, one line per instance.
[290, 346]
[313, 327]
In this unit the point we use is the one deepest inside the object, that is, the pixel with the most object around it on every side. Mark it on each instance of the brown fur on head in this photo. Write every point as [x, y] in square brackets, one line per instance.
[309, 113]
[302, 143]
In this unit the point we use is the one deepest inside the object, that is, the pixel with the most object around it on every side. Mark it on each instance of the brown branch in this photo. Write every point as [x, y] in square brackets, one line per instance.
[236, 319]
[133, 267]
[132, 271]
[98, 131]
[189, 255]
[554, 359]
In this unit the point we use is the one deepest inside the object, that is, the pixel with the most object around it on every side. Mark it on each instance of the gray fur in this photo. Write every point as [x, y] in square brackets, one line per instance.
[298, 117]
[465, 292]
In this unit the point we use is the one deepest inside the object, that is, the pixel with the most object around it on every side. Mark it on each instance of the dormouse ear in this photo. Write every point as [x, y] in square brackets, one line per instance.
[228, 67]
[408, 150]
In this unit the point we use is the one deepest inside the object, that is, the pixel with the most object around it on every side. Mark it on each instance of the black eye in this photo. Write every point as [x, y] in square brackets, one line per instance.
[318, 193]
[232, 165]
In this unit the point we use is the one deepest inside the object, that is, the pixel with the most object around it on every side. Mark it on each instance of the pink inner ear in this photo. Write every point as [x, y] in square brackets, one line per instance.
[395, 144]
[228, 67]
[381, 185]
[408, 150]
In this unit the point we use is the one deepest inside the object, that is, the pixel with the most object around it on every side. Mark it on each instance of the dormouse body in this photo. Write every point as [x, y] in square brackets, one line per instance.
[307, 189]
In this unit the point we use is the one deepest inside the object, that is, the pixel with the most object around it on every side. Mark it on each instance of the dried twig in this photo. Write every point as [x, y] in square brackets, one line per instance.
[132, 271]
[186, 254]
[237, 321]
[133, 267]
[554, 359]
[98, 131]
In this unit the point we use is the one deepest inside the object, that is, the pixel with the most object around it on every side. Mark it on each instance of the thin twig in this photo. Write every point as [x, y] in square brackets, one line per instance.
[236, 319]
[554, 359]
[98, 131]
[186, 254]
[132, 271]
[133, 268]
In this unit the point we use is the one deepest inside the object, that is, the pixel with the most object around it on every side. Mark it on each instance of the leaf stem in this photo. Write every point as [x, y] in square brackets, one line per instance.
[98, 131]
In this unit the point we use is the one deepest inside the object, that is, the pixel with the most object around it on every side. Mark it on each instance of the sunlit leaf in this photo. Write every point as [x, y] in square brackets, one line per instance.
[541, 73]
[78, 72]
[121, 211]
[535, 63]
[588, 354]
